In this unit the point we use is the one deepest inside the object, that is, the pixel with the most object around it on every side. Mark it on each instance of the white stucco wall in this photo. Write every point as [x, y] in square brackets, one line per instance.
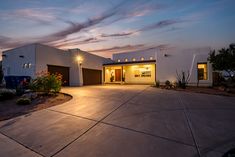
[13, 64]
[40, 56]
[168, 61]
[137, 55]
[89, 61]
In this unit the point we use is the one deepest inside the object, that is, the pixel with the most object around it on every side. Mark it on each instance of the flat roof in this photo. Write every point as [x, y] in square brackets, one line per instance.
[132, 62]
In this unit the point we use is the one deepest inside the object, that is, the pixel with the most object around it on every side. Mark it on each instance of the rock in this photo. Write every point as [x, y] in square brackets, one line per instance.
[30, 95]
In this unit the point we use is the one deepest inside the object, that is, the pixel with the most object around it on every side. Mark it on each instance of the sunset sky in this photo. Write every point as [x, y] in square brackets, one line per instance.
[104, 27]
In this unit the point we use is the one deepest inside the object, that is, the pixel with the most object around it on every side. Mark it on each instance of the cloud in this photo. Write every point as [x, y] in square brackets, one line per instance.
[79, 42]
[42, 16]
[157, 25]
[131, 48]
[160, 24]
[118, 34]
[119, 48]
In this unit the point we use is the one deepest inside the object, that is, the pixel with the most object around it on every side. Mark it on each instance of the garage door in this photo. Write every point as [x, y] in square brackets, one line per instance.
[64, 71]
[91, 76]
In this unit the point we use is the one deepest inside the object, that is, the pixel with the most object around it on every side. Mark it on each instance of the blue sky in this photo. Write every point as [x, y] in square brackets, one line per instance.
[110, 26]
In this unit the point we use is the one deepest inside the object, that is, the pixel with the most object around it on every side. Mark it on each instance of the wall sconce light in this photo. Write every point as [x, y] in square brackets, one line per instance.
[166, 55]
[79, 60]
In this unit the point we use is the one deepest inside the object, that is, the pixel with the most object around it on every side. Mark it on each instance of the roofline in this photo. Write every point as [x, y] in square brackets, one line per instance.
[134, 62]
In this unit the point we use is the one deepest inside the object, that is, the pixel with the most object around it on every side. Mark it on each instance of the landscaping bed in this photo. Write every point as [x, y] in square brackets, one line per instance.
[207, 90]
[10, 109]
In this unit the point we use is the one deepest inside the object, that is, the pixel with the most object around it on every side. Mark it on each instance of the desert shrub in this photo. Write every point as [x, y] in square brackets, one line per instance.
[167, 83]
[47, 83]
[1, 73]
[157, 83]
[6, 94]
[23, 101]
[183, 79]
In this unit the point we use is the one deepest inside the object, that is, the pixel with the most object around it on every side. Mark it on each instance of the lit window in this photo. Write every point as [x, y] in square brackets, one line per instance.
[126, 60]
[142, 72]
[202, 71]
[133, 59]
[142, 58]
[151, 58]
[118, 60]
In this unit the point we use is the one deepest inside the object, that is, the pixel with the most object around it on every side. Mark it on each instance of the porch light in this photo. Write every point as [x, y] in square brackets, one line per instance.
[79, 59]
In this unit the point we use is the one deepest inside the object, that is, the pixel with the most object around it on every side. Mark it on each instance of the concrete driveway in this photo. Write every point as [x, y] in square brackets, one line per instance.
[122, 121]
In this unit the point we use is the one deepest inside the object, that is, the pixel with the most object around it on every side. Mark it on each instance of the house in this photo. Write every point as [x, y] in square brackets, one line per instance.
[82, 68]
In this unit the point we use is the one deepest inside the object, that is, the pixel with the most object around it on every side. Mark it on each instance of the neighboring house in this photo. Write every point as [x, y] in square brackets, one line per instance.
[83, 68]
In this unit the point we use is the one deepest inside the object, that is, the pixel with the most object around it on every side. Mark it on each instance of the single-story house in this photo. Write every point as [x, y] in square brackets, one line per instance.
[82, 68]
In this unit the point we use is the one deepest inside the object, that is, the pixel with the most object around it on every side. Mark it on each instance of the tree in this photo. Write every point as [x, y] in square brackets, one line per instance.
[224, 60]
[1, 72]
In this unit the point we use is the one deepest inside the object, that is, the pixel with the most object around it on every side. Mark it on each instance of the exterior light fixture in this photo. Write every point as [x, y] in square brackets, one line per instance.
[79, 60]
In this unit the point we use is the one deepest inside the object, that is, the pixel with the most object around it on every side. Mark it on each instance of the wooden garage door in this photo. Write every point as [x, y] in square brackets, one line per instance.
[91, 76]
[64, 71]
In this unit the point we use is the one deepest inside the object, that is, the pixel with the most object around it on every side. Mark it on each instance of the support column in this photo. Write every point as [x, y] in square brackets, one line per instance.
[122, 76]
[80, 75]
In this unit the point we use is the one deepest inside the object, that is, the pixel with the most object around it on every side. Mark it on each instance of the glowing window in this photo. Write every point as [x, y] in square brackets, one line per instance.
[133, 59]
[151, 58]
[126, 60]
[142, 58]
[118, 60]
[142, 71]
[202, 71]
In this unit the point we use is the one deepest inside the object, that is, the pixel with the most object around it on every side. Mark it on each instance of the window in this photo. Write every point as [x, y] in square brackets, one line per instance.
[126, 60]
[202, 71]
[142, 58]
[133, 59]
[118, 60]
[142, 72]
[151, 58]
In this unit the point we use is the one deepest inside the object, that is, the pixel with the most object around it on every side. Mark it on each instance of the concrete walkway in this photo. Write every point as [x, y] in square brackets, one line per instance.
[122, 121]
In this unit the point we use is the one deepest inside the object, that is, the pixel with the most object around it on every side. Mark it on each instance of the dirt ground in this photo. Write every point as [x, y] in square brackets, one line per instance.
[9, 108]
[207, 90]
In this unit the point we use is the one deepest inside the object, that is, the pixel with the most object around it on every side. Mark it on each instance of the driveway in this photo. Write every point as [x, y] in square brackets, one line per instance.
[124, 120]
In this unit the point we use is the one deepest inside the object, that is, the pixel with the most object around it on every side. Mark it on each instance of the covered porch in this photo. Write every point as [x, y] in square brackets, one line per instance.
[143, 72]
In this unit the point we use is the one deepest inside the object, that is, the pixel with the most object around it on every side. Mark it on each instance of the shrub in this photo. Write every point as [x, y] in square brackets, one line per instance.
[157, 83]
[183, 79]
[23, 101]
[47, 83]
[6, 94]
[1, 72]
[168, 83]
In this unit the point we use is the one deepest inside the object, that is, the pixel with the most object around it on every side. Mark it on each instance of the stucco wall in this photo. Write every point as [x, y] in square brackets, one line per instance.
[137, 55]
[13, 63]
[182, 60]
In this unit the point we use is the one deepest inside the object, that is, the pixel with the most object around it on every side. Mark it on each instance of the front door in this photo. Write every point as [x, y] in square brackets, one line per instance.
[117, 74]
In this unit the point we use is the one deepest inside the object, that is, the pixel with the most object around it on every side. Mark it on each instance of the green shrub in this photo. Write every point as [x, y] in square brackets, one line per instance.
[168, 83]
[157, 83]
[23, 101]
[47, 83]
[6, 94]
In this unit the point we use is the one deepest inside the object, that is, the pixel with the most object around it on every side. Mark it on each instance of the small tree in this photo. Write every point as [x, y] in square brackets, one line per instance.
[224, 60]
[1, 72]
